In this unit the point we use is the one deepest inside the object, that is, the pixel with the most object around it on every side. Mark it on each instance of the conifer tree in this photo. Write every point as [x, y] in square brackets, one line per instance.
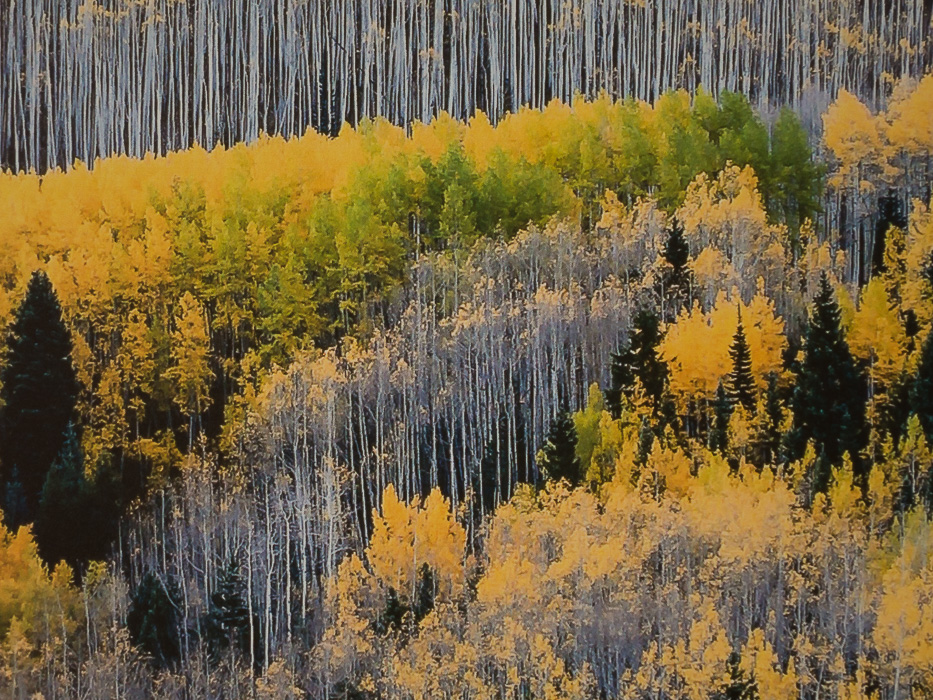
[722, 412]
[921, 391]
[228, 614]
[152, 620]
[828, 401]
[39, 390]
[767, 448]
[739, 686]
[558, 458]
[63, 515]
[677, 254]
[741, 384]
[639, 360]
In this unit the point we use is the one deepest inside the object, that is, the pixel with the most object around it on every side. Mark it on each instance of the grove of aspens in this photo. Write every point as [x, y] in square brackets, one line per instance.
[466, 349]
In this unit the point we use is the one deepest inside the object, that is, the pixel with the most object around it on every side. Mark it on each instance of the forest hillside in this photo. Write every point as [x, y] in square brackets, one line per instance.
[595, 362]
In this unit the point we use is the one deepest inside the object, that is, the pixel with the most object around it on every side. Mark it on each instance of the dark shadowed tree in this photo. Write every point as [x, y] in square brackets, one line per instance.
[829, 401]
[39, 390]
[228, 619]
[741, 383]
[558, 459]
[722, 412]
[921, 390]
[152, 620]
[639, 360]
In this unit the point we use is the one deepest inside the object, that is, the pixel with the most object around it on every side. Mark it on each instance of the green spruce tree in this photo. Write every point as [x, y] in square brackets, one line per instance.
[62, 517]
[722, 412]
[738, 686]
[639, 360]
[921, 389]
[828, 402]
[558, 458]
[677, 254]
[767, 443]
[741, 383]
[39, 391]
[152, 620]
[228, 615]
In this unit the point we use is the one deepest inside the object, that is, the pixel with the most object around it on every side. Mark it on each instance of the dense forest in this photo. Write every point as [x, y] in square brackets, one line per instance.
[584, 351]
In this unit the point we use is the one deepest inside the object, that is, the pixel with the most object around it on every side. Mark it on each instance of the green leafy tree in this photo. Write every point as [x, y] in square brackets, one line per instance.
[558, 458]
[741, 383]
[796, 185]
[828, 402]
[39, 391]
[61, 518]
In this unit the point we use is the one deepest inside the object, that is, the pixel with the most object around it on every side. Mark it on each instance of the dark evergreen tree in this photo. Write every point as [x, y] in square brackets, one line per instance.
[677, 254]
[921, 390]
[639, 360]
[228, 620]
[393, 614]
[77, 518]
[39, 390]
[61, 526]
[828, 402]
[152, 620]
[15, 508]
[425, 593]
[741, 384]
[559, 454]
[646, 438]
[738, 686]
[722, 412]
[767, 448]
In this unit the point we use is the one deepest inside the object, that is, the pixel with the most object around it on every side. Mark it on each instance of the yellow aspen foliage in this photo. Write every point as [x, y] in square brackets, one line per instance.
[903, 632]
[761, 663]
[916, 292]
[349, 645]
[856, 139]
[740, 433]
[31, 598]
[713, 271]
[701, 663]
[434, 139]
[911, 129]
[407, 536]
[667, 471]
[727, 214]
[587, 424]
[879, 498]
[876, 335]
[613, 459]
[697, 346]
[844, 496]
[391, 551]
[190, 371]
[913, 457]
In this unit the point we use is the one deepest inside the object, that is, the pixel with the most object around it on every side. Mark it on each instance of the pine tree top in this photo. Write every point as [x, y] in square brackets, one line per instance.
[741, 383]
